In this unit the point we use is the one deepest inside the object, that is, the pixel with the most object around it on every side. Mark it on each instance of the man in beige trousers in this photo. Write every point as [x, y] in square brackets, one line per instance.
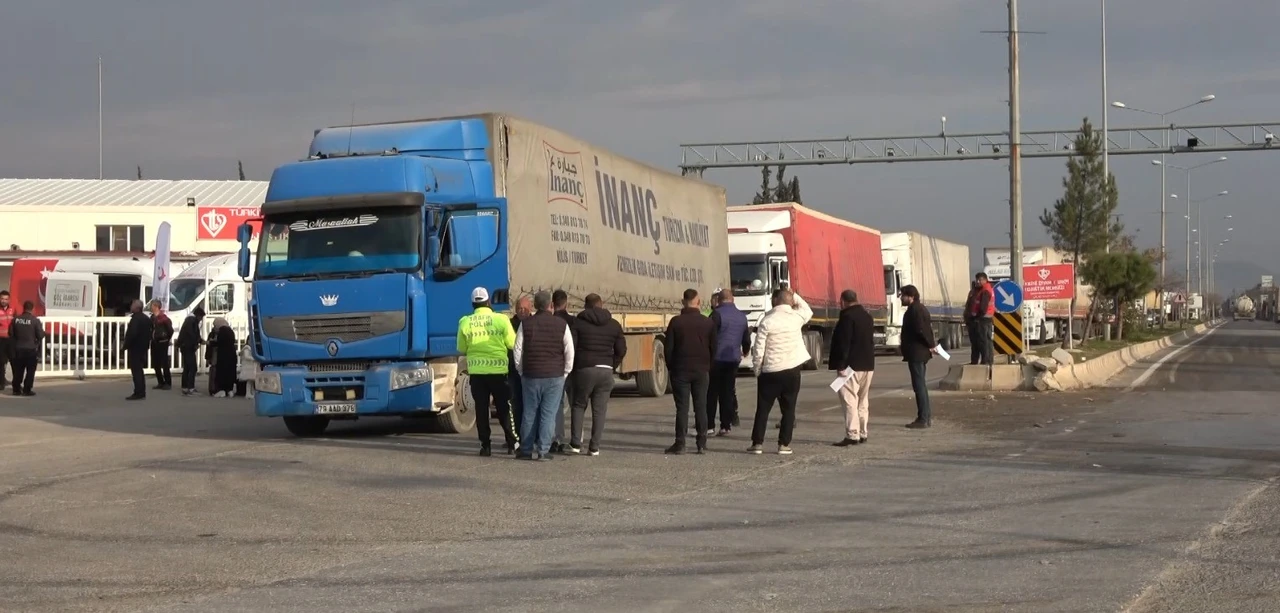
[853, 356]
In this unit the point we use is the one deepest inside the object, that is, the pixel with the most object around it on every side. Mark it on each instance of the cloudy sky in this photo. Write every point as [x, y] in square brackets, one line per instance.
[191, 87]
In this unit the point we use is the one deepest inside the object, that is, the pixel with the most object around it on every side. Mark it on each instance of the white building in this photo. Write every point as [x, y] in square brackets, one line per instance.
[72, 217]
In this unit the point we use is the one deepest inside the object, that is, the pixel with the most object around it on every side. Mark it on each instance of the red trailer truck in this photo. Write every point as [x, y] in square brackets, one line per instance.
[817, 254]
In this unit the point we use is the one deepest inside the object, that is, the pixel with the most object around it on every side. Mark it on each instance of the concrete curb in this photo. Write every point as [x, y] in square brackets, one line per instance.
[1093, 373]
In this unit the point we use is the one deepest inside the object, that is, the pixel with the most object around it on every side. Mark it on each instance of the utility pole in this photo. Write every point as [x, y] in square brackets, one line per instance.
[1015, 154]
[99, 117]
[1106, 132]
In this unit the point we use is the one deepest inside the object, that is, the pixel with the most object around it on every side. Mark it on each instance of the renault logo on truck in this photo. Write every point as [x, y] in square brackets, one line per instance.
[332, 347]
[329, 299]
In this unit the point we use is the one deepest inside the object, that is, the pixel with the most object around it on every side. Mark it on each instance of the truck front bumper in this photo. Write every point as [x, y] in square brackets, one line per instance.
[384, 389]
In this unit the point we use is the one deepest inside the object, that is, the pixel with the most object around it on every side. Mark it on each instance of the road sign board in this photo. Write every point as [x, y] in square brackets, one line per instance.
[1007, 337]
[1179, 299]
[1049, 282]
[1008, 296]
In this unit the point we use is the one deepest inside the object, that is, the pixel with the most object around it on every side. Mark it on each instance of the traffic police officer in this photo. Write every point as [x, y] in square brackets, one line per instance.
[485, 337]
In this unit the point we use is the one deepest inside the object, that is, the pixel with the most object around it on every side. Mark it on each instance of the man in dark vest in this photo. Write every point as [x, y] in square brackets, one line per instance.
[733, 342]
[544, 358]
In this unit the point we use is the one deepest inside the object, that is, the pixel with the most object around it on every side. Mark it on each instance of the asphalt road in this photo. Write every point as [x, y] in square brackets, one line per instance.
[1157, 498]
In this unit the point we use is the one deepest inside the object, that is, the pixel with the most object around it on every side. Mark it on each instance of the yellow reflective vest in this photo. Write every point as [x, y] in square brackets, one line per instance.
[485, 337]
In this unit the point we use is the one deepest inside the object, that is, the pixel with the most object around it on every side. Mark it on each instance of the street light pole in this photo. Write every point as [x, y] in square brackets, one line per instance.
[1164, 188]
[1106, 136]
[1187, 169]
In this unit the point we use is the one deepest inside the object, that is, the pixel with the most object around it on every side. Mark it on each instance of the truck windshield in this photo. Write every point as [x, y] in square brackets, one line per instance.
[184, 292]
[749, 277]
[340, 242]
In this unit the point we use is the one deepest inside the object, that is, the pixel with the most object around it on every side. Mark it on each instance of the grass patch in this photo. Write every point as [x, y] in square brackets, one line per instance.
[1096, 347]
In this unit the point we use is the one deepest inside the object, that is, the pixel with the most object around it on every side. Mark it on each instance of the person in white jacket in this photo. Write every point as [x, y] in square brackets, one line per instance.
[777, 357]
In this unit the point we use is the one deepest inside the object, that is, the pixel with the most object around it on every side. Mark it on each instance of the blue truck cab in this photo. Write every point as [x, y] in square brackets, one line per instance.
[367, 255]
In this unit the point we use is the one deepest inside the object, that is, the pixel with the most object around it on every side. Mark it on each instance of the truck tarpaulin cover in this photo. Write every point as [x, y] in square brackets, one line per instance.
[584, 220]
[827, 255]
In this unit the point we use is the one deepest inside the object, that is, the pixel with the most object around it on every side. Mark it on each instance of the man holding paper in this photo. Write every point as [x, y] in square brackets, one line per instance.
[853, 356]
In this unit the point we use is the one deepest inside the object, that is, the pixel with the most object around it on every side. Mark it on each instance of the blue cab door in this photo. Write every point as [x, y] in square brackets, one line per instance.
[468, 249]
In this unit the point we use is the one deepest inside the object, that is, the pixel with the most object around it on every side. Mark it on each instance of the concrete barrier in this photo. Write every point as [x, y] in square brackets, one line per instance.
[1091, 373]
[967, 378]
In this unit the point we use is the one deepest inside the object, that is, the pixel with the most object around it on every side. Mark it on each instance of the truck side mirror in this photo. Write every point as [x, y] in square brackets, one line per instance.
[243, 234]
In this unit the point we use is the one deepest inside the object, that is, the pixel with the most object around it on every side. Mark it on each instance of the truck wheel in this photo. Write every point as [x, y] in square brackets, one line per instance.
[306, 425]
[813, 342]
[456, 421]
[653, 383]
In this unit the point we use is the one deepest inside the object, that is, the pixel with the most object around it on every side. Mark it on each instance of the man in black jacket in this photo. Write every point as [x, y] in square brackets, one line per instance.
[689, 346]
[598, 350]
[918, 347]
[137, 342]
[524, 310]
[188, 344]
[560, 304]
[26, 331]
[853, 355]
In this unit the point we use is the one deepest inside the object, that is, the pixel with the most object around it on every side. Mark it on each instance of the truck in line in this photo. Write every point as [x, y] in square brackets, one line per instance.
[817, 255]
[1244, 309]
[371, 246]
[940, 270]
[1043, 320]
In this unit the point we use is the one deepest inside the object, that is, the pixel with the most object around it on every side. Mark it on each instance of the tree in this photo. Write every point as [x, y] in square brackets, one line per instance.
[1121, 277]
[765, 195]
[240, 169]
[139, 172]
[775, 187]
[1081, 221]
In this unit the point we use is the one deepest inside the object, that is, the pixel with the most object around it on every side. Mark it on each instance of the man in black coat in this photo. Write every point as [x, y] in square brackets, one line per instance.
[524, 310]
[598, 351]
[560, 304]
[689, 346]
[188, 344]
[853, 355]
[918, 347]
[137, 344]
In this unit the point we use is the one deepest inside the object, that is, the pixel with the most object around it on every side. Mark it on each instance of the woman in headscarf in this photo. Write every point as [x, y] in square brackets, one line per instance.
[222, 359]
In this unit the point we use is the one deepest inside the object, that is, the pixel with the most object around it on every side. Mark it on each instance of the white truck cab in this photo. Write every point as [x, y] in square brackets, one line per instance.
[757, 266]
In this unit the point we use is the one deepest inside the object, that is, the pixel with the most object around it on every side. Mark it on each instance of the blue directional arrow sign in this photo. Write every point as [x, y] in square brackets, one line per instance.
[1008, 296]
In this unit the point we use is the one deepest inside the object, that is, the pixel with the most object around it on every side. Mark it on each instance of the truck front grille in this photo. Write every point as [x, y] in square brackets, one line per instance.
[341, 366]
[344, 327]
[321, 329]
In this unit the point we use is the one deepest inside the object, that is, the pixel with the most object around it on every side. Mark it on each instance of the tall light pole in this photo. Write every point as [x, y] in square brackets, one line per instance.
[1187, 169]
[99, 117]
[1015, 154]
[1164, 189]
[1106, 129]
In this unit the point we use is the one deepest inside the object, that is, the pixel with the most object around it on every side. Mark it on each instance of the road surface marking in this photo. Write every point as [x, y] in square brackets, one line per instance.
[1161, 362]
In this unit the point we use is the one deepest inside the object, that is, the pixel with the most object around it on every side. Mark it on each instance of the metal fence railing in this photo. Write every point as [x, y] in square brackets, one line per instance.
[81, 347]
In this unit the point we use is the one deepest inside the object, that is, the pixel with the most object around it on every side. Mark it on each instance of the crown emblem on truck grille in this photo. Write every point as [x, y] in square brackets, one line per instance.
[329, 299]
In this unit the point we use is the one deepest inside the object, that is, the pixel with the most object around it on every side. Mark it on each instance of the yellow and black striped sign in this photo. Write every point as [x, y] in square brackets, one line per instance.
[1008, 333]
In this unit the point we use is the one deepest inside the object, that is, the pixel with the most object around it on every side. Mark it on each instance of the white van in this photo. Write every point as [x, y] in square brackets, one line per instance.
[211, 283]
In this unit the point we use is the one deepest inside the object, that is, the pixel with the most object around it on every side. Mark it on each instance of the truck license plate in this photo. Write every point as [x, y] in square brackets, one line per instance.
[335, 408]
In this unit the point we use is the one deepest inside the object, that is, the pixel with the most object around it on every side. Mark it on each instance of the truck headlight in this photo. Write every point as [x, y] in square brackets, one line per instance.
[410, 377]
[268, 382]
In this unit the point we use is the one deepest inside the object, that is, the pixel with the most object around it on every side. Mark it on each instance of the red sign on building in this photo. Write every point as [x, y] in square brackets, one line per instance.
[220, 222]
[1049, 282]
